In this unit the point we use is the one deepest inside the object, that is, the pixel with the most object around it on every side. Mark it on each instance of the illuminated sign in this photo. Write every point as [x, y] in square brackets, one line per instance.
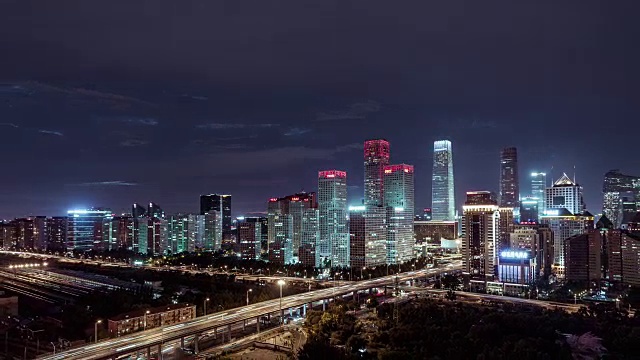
[273, 199]
[511, 254]
[552, 212]
[138, 263]
[357, 208]
[331, 176]
[295, 199]
[399, 209]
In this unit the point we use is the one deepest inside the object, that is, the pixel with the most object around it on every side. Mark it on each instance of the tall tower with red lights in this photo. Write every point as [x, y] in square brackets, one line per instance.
[376, 157]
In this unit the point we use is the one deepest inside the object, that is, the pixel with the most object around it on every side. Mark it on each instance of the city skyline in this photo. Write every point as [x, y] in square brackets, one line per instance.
[223, 104]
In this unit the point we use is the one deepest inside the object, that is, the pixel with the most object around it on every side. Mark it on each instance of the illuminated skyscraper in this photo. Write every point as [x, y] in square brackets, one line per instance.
[538, 186]
[481, 234]
[564, 194]
[368, 236]
[529, 213]
[376, 157]
[399, 201]
[509, 184]
[57, 232]
[310, 237]
[564, 225]
[138, 210]
[281, 249]
[155, 211]
[334, 230]
[249, 237]
[617, 186]
[220, 203]
[85, 228]
[442, 186]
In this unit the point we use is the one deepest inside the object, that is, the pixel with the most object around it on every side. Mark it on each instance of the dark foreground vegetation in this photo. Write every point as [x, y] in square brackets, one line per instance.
[428, 329]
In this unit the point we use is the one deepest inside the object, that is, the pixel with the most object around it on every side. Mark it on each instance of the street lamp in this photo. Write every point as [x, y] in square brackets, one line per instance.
[205, 305]
[96, 330]
[248, 291]
[145, 318]
[281, 283]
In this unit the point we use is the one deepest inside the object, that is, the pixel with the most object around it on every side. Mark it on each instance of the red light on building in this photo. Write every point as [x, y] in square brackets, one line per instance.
[295, 199]
[330, 174]
[376, 149]
[389, 169]
[273, 199]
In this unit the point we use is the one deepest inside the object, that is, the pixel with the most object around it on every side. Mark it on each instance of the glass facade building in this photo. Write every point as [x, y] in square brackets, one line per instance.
[538, 186]
[86, 228]
[333, 245]
[400, 204]
[509, 184]
[443, 206]
[376, 157]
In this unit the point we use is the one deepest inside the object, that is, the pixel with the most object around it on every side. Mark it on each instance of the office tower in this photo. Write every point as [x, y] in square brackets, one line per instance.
[178, 233]
[529, 211]
[539, 241]
[249, 238]
[138, 210]
[443, 204]
[196, 239]
[399, 201]
[155, 211]
[435, 231]
[629, 209]
[564, 225]
[630, 249]
[57, 233]
[564, 194]
[281, 249]
[376, 157]
[157, 236]
[221, 203]
[505, 228]
[509, 184]
[24, 233]
[515, 270]
[480, 226]
[334, 230]
[263, 223]
[538, 186]
[85, 228]
[582, 254]
[310, 238]
[368, 236]
[293, 205]
[616, 185]
[212, 231]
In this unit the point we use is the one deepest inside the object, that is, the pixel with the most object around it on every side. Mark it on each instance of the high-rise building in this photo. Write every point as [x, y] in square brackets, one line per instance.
[293, 205]
[86, 228]
[249, 238]
[400, 204]
[138, 210]
[443, 204]
[539, 241]
[220, 203]
[57, 233]
[157, 236]
[155, 211]
[617, 185]
[212, 236]
[582, 254]
[376, 157]
[368, 236]
[529, 212]
[509, 184]
[178, 233]
[281, 249]
[310, 238]
[630, 249]
[24, 233]
[564, 194]
[263, 223]
[333, 246]
[7, 235]
[538, 186]
[505, 227]
[481, 232]
[564, 225]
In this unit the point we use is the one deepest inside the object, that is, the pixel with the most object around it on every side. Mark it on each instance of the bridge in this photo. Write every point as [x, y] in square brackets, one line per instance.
[153, 340]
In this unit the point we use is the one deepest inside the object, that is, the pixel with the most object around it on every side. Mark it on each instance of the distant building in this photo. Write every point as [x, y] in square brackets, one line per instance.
[333, 246]
[139, 320]
[155, 211]
[400, 204]
[368, 236]
[376, 157]
[310, 238]
[529, 211]
[294, 205]
[138, 210]
[623, 257]
[538, 240]
[509, 183]
[564, 194]
[221, 204]
[249, 238]
[506, 227]
[516, 266]
[57, 233]
[427, 214]
[616, 186]
[7, 235]
[564, 225]
[538, 186]
[481, 234]
[442, 185]
[281, 249]
[85, 228]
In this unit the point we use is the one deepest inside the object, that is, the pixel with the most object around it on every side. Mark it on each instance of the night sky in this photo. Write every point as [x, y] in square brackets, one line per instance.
[106, 103]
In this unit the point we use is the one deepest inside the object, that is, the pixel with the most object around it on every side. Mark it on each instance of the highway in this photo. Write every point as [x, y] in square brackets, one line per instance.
[117, 347]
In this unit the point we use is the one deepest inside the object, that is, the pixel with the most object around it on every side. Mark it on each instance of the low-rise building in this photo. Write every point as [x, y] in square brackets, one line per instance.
[140, 320]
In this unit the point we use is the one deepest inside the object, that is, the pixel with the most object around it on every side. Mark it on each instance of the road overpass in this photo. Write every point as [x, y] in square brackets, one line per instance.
[147, 341]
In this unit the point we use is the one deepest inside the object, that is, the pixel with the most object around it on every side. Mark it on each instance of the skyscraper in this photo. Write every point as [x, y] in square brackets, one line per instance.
[400, 204]
[155, 211]
[481, 231]
[221, 203]
[249, 237]
[616, 186]
[509, 184]
[57, 233]
[368, 236]
[376, 157]
[85, 228]
[281, 249]
[293, 205]
[564, 225]
[138, 210]
[529, 213]
[334, 229]
[442, 186]
[564, 194]
[538, 186]
[310, 237]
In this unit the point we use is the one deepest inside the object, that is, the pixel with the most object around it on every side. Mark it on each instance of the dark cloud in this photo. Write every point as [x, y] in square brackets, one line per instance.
[51, 132]
[356, 111]
[226, 126]
[296, 131]
[133, 143]
[106, 183]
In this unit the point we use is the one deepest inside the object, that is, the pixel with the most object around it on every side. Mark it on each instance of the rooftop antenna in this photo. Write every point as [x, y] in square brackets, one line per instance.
[574, 174]
[550, 176]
